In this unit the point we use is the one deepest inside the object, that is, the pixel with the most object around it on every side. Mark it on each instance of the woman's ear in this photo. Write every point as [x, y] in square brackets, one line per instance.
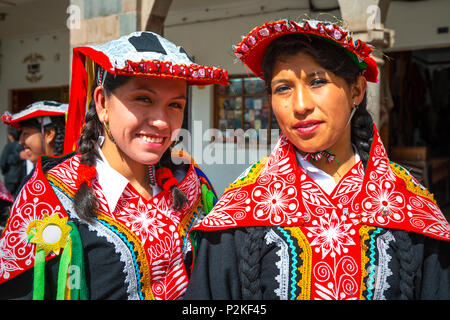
[49, 139]
[49, 136]
[359, 89]
[100, 104]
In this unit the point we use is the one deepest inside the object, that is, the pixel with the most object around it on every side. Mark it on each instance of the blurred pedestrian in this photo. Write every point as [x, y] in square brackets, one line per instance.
[11, 163]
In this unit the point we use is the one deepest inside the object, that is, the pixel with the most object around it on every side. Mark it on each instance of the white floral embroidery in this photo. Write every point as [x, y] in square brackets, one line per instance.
[331, 234]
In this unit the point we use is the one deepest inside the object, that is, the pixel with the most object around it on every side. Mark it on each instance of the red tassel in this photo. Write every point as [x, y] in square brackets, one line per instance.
[165, 178]
[85, 174]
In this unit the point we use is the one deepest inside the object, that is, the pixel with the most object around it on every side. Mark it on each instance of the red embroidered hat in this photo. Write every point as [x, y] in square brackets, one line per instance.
[140, 53]
[41, 110]
[252, 49]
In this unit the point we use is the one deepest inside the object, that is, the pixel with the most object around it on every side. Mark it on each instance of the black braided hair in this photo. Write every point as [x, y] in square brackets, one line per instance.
[362, 131]
[250, 264]
[407, 264]
[85, 201]
[335, 59]
[59, 124]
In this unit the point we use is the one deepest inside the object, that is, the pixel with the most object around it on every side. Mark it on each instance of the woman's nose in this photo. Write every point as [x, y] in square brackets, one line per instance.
[159, 118]
[303, 101]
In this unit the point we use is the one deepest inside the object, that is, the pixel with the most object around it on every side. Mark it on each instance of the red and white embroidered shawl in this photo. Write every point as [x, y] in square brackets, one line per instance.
[153, 222]
[280, 193]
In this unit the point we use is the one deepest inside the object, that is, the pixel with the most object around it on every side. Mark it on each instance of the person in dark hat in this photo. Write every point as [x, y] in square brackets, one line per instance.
[11, 163]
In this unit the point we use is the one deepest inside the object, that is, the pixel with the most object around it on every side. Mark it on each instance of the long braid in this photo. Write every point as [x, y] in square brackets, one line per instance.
[250, 264]
[407, 265]
[85, 201]
[362, 131]
[59, 125]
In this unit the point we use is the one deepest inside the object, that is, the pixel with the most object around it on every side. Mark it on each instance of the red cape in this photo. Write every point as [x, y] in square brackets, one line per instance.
[277, 192]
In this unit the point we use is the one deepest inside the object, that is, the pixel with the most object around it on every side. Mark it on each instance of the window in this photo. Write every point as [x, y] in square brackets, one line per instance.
[244, 104]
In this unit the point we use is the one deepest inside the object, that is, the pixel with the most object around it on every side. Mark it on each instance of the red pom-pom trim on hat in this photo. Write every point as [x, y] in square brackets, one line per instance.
[165, 178]
[85, 174]
[253, 47]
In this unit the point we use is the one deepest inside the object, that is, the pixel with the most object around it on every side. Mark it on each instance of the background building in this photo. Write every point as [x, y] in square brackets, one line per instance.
[410, 105]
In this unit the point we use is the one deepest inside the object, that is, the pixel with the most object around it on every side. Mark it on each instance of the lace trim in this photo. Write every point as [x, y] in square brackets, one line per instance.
[383, 272]
[283, 264]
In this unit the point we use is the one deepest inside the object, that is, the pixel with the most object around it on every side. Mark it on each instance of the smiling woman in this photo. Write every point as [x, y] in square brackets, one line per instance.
[42, 125]
[127, 204]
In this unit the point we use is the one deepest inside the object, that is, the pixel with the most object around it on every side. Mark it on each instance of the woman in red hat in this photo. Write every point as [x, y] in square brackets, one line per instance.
[326, 215]
[42, 126]
[110, 221]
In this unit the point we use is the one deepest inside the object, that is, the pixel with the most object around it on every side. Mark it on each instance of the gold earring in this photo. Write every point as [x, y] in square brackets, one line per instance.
[108, 131]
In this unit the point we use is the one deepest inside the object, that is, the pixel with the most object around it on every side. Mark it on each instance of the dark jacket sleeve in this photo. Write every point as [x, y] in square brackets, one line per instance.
[215, 274]
[218, 272]
[434, 273]
[21, 286]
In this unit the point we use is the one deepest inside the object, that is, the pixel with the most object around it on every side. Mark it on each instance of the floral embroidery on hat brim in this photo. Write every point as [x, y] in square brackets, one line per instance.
[148, 54]
[193, 74]
[252, 48]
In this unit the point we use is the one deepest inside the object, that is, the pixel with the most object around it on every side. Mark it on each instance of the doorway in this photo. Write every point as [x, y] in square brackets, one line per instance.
[419, 81]
[21, 98]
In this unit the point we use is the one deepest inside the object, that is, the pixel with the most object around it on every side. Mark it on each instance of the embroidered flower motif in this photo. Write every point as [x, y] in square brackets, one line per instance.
[331, 234]
[143, 221]
[337, 34]
[276, 203]
[383, 203]
[264, 32]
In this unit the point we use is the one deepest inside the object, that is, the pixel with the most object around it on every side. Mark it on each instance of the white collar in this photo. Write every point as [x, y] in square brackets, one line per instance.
[111, 181]
[323, 179]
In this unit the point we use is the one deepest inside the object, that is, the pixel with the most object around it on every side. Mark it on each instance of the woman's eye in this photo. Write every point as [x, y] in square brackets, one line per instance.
[281, 89]
[144, 99]
[318, 82]
[176, 105]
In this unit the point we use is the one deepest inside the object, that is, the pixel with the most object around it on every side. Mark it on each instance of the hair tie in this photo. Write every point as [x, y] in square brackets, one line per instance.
[85, 174]
[165, 178]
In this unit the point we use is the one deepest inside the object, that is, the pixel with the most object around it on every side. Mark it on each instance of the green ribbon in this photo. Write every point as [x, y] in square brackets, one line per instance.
[208, 198]
[39, 275]
[78, 292]
[75, 259]
[64, 263]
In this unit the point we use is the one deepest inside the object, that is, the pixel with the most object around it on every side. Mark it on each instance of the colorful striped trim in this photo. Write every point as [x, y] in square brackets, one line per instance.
[411, 183]
[142, 269]
[305, 269]
[295, 265]
[249, 177]
[368, 261]
[141, 266]
[189, 220]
